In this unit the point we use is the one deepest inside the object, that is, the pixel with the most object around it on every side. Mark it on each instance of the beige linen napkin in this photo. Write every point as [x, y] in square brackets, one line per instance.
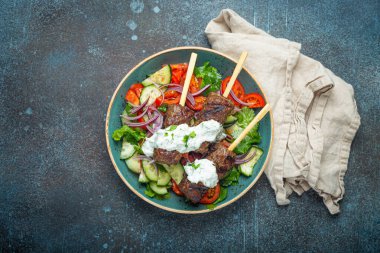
[315, 114]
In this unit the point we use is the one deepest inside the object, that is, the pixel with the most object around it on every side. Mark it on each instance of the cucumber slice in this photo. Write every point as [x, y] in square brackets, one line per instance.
[234, 130]
[127, 150]
[160, 190]
[134, 164]
[150, 92]
[163, 177]
[175, 171]
[150, 171]
[143, 178]
[247, 168]
[230, 119]
[162, 76]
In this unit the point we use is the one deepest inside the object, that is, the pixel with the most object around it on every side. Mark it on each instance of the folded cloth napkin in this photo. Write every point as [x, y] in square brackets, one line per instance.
[315, 114]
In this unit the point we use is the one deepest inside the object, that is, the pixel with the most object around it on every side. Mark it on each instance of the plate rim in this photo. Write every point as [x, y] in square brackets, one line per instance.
[144, 197]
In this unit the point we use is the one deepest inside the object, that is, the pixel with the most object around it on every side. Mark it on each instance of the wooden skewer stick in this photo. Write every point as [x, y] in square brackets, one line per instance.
[189, 72]
[255, 120]
[235, 74]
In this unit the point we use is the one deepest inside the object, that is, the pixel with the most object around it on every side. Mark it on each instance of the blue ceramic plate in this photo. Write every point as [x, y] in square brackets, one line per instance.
[225, 65]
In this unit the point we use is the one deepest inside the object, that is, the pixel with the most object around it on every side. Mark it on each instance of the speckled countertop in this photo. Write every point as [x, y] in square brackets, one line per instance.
[60, 63]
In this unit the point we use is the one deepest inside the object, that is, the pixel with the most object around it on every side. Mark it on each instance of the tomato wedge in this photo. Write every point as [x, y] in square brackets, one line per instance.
[133, 94]
[176, 189]
[178, 70]
[137, 88]
[199, 102]
[211, 195]
[172, 97]
[255, 99]
[237, 88]
[132, 97]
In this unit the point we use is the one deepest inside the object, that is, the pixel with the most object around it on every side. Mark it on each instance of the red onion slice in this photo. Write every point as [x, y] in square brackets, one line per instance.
[239, 157]
[133, 124]
[158, 123]
[150, 129]
[201, 90]
[138, 108]
[237, 161]
[238, 100]
[125, 116]
[188, 96]
[143, 157]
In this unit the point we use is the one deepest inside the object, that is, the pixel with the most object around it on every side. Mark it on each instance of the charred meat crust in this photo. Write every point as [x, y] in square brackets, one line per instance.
[166, 157]
[193, 192]
[216, 107]
[177, 115]
[223, 159]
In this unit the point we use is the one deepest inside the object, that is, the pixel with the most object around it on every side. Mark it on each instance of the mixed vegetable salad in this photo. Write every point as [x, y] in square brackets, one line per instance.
[153, 120]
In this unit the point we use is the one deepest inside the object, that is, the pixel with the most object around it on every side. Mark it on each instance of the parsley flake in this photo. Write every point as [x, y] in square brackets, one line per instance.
[172, 128]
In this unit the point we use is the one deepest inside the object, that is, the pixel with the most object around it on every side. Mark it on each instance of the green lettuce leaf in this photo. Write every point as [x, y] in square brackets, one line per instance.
[131, 135]
[222, 196]
[231, 179]
[244, 117]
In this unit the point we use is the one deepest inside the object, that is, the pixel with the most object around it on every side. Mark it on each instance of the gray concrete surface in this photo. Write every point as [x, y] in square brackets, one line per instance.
[60, 63]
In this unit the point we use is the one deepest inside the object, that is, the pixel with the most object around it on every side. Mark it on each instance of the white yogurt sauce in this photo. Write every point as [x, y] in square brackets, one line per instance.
[203, 171]
[183, 138]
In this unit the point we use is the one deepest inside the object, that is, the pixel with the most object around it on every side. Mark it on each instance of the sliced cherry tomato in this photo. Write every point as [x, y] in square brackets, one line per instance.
[176, 189]
[211, 195]
[194, 84]
[199, 102]
[137, 88]
[132, 97]
[178, 70]
[255, 98]
[158, 101]
[172, 97]
[237, 88]
[133, 94]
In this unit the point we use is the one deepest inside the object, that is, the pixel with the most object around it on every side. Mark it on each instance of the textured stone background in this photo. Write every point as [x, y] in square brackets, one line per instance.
[60, 63]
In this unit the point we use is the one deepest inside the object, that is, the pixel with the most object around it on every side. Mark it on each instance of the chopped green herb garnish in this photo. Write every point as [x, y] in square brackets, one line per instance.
[195, 166]
[172, 136]
[163, 108]
[185, 140]
[166, 134]
[172, 128]
[192, 134]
